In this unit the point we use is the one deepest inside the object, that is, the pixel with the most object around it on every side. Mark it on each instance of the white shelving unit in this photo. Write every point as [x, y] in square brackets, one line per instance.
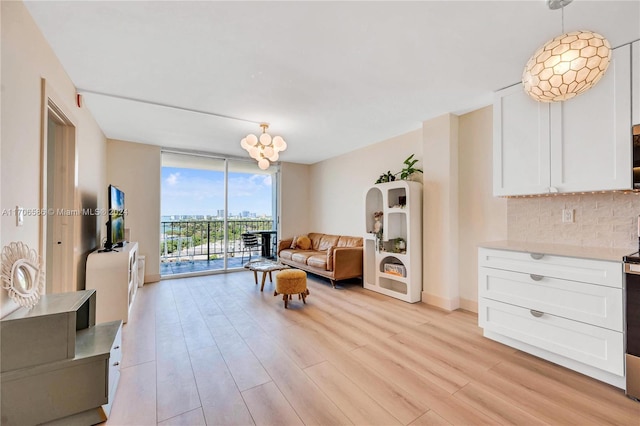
[401, 205]
[114, 276]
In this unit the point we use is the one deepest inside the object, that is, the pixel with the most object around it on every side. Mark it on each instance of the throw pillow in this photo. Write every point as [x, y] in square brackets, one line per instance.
[303, 242]
[293, 242]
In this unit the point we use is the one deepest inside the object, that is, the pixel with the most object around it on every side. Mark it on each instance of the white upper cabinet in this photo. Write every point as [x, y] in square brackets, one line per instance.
[635, 83]
[520, 143]
[583, 144]
[591, 147]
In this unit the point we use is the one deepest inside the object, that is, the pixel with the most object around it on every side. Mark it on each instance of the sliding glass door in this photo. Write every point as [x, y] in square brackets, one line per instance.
[208, 203]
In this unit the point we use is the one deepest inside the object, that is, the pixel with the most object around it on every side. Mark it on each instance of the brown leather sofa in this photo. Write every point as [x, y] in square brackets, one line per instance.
[336, 257]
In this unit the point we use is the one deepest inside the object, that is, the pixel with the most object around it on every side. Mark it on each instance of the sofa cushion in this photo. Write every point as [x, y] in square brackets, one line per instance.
[327, 241]
[349, 242]
[303, 242]
[318, 261]
[294, 242]
[315, 240]
[286, 253]
[301, 256]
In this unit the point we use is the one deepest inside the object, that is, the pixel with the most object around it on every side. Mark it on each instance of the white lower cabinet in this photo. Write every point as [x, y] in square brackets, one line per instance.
[563, 309]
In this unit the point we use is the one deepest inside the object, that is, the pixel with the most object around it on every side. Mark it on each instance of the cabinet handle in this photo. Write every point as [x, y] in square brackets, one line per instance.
[536, 314]
[116, 347]
[115, 364]
[537, 256]
[536, 277]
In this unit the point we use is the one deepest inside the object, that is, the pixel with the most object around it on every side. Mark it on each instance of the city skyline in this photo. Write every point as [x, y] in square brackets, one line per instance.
[195, 192]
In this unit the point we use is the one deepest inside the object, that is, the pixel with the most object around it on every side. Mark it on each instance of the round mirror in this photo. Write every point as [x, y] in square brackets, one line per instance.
[22, 279]
[22, 274]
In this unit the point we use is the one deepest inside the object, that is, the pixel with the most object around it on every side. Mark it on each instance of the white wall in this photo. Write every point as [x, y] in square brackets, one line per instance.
[459, 208]
[26, 58]
[440, 212]
[294, 200]
[135, 168]
[337, 185]
[482, 217]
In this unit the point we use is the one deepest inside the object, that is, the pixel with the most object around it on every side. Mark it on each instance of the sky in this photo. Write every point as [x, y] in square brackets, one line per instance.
[201, 192]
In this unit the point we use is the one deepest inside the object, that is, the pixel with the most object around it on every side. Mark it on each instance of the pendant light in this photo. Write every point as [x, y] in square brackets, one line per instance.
[567, 65]
[264, 149]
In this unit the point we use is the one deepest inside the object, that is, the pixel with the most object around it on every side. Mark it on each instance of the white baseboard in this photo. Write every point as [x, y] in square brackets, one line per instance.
[469, 305]
[151, 278]
[441, 302]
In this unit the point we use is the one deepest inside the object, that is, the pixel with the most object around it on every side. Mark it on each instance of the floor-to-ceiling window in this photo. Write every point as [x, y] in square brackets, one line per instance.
[207, 204]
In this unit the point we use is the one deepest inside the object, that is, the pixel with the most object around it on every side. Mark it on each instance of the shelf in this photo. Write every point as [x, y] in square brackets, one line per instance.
[393, 277]
[393, 284]
[401, 205]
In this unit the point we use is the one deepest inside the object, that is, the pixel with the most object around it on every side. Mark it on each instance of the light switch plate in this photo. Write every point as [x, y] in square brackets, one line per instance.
[567, 216]
[19, 216]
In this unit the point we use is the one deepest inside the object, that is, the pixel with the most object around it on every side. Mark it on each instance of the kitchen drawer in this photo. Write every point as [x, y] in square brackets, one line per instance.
[569, 268]
[590, 345]
[589, 303]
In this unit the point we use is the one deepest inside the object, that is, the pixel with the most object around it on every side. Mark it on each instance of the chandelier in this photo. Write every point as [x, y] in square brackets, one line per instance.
[567, 65]
[264, 148]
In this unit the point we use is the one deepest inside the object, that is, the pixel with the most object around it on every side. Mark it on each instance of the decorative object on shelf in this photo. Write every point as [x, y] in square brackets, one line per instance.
[265, 148]
[386, 177]
[567, 65]
[399, 245]
[22, 274]
[395, 269]
[408, 168]
[377, 228]
[404, 174]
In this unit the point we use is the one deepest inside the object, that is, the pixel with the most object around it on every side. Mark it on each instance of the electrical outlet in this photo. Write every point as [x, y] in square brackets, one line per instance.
[567, 215]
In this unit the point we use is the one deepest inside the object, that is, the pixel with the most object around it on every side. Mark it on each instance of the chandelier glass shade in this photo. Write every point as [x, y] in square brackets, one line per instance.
[264, 148]
[566, 66]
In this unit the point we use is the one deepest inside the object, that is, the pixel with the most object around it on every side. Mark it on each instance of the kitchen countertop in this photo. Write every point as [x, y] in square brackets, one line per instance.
[597, 253]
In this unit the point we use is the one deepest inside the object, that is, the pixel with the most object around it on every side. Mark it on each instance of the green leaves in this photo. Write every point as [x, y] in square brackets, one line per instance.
[404, 174]
[408, 168]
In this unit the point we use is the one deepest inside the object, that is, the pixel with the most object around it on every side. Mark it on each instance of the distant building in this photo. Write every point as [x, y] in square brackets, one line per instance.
[220, 213]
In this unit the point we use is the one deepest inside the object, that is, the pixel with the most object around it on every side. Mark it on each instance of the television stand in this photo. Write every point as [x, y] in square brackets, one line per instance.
[114, 275]
[107, 250]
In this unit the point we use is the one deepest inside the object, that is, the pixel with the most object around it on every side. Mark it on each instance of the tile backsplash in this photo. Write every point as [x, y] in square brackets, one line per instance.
[600, 220]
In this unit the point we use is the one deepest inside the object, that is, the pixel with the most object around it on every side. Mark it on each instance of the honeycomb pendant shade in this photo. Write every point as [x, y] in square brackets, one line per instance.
[566, 66]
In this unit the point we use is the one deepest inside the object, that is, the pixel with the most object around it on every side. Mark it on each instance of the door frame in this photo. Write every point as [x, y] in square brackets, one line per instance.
[53, 106]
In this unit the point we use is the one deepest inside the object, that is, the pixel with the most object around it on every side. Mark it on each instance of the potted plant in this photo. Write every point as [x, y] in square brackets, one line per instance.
[409, 168]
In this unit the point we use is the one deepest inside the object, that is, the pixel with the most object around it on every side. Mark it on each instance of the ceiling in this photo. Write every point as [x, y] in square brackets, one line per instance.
[330, 77]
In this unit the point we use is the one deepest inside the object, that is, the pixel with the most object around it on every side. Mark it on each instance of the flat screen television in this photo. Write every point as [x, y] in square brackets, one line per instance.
[115, 224]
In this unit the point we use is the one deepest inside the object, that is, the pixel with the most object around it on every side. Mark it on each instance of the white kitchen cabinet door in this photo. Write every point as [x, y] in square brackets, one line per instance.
[591, 133]
[635, 81]
[520, 143]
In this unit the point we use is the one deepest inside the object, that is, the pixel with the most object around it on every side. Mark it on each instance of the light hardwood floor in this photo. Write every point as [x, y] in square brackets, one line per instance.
[215, 350]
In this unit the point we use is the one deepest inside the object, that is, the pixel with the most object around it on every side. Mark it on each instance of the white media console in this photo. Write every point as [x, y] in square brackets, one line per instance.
[114, 276]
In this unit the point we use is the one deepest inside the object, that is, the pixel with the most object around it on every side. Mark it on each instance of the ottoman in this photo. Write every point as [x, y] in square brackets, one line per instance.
[289, 282]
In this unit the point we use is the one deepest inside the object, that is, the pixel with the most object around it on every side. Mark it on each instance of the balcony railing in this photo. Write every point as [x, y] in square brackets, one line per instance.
[204, 239]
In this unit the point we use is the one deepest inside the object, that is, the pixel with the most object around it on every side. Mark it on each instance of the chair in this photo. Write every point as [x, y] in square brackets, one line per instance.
[249, 242]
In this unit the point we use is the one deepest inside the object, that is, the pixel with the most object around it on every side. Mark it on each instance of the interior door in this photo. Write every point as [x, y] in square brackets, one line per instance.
[60, 202]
